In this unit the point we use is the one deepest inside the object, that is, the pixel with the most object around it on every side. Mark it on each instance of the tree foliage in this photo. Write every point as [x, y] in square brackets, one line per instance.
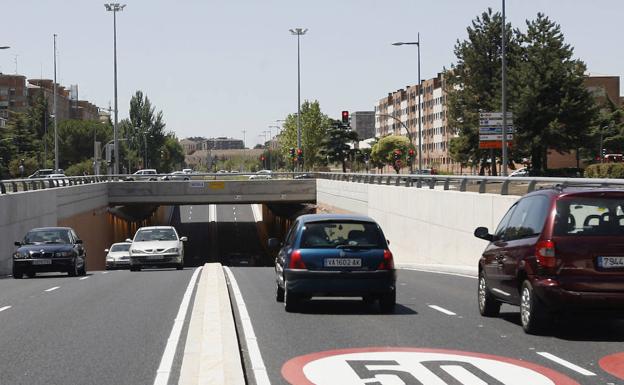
[76, 137]
[314, 126]
[335, 145]
[383, 152]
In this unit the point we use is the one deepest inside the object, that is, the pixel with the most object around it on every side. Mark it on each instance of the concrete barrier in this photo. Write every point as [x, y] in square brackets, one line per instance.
[430, 229]
[211, 354]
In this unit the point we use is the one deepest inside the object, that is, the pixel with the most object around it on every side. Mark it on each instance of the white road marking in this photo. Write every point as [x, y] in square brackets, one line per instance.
[439, 272]
[105, 272]
[83, 278]
[442, 310]
[567, 364]
[257, 213]
[257, 364]
[52, 288]
[3, 308]
[166, 362]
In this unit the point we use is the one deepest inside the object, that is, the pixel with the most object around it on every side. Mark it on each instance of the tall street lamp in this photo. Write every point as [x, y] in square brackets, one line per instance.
[56, 154]
[504, 95]
[115, 7]
[420, 97]
[299, 32]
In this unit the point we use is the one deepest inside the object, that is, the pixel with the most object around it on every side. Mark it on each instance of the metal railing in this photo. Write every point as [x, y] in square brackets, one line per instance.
[481, 184]
[8, 186]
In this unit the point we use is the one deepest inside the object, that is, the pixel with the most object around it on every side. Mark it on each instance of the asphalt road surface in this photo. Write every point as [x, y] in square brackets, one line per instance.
[105, 328]
[434, 311]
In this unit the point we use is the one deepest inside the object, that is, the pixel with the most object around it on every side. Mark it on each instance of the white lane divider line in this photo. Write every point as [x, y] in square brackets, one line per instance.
[257, 364]
[52, 289]
[567, 364]
[166, 362]
[442, 310]
[83, 278]
[105, 272]
[3, 308]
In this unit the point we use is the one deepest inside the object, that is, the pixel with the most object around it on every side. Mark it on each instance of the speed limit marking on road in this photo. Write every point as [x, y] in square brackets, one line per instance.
[411, 366]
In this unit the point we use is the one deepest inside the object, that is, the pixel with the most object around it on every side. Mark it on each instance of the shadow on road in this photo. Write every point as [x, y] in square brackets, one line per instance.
[347, 306]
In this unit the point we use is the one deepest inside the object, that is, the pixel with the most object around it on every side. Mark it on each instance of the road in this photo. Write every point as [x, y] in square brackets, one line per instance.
[105, 328]
[434, 311]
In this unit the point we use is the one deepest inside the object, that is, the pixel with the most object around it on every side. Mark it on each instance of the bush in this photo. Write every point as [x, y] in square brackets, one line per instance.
[83, 168]
[605, 170]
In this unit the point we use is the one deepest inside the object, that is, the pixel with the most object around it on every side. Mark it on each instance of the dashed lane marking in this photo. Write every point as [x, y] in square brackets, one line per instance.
[52, 289]
[567, 364]
[3, 308]
[257, 364]
[166, 362]
[105, 272]
[83, 278]
[442, 310]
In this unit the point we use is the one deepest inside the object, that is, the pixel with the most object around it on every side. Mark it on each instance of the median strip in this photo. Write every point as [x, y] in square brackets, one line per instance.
[211, 353]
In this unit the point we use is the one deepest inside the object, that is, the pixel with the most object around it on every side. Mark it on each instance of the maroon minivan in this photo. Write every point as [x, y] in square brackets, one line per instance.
[555, 250]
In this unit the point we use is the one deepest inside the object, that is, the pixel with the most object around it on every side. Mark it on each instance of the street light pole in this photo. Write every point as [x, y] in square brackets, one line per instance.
[56, 154]
[115, 7]
[299, 32]
[420, 97]
[504, 96]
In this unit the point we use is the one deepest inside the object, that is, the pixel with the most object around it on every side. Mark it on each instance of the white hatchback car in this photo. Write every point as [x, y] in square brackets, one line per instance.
[118, 255]
[158, 246]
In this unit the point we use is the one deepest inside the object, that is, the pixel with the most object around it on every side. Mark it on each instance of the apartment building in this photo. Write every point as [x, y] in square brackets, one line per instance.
[13, 94]
[398, 114]
[222, 143]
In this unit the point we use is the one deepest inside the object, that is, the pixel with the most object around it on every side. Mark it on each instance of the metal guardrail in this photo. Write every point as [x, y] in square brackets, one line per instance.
[481, 184]
[8, 186]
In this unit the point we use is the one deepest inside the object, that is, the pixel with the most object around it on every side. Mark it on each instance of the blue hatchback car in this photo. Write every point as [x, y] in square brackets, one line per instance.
[332, 255]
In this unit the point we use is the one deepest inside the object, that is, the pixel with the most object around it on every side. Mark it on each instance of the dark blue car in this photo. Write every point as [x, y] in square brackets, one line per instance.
[334, 256]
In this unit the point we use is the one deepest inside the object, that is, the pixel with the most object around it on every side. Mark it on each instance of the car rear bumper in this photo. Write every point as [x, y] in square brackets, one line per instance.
[340, 283]
[56, 264]
[558, 298]
[117, 264]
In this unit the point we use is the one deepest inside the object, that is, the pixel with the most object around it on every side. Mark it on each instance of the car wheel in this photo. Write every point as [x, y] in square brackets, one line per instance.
[291, 301]
[73, 269]
[387, 302]
[31, 274]
[180, 266]
[368, 299]
[83, 269]
[135, 268]
[533, 313]
[488, 305]
[279, 293]
[17, 274]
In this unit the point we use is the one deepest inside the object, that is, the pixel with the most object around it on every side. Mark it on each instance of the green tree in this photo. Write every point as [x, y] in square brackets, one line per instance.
[383, 152]
[473, 84]
[552, 108]
[76, 137]
[335, 145]
[314, 125]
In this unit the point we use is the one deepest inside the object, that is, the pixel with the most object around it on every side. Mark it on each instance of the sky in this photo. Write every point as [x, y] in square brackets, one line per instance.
[218, 67]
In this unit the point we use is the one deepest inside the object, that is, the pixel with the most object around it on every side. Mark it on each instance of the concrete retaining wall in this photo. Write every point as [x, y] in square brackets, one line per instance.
[426, 228]
[20, 212]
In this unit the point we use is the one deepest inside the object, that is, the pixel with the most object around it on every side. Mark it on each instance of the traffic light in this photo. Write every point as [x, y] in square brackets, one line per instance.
[397, 155]
[345, 117]
[292, 153]
[410, 154]
[300, 155]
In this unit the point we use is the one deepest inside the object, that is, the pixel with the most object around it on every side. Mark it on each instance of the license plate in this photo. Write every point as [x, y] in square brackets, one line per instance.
[343, 262]
[154, 257]
[611, 262]
[41, 261]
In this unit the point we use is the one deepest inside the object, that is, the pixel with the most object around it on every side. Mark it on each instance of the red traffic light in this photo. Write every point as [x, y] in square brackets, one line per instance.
[299, 151]
[411, 152]
[345, 117]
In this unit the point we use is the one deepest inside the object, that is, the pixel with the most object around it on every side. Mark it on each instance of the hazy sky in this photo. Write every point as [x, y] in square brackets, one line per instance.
[216, 68]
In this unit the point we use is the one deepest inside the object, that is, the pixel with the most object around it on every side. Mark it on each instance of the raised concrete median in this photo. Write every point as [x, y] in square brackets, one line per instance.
[211, 353]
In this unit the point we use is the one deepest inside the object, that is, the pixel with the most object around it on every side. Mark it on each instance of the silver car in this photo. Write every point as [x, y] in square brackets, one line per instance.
[157, 246]
[118, 255]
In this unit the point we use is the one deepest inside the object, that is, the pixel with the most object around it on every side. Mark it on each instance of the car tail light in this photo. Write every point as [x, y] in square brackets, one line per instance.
[295, 260]
[388, 261]
[545, 253]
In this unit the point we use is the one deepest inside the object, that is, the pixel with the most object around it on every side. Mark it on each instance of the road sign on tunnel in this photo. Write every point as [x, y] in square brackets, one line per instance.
[411, 366]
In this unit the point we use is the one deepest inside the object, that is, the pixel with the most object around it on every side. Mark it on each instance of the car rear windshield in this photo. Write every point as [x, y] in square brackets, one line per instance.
[586, 216]
[341, 234]
[47, 236]
[155, 235]
[120, 247]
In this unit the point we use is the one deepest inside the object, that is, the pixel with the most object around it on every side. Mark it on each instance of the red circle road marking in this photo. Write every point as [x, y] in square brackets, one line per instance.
[613, 364]
[296, 373]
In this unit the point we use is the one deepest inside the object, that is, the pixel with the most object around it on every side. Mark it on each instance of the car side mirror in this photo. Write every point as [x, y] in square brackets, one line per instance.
[79, 241]
[183, 239]
[106, 250]
[129, 240]
[483, 233]
[17, 243]
[273, 243]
